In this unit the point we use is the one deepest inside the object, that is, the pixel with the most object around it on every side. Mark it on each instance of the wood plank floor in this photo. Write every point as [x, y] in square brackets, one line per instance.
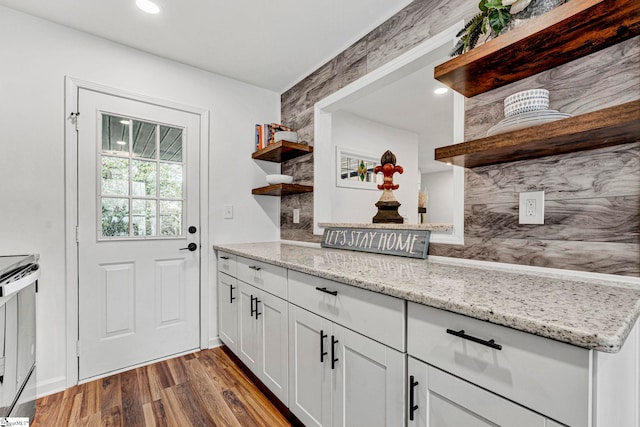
[201, 389]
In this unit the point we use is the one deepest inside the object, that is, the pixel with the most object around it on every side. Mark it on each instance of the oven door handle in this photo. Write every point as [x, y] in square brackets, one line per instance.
[14, 287]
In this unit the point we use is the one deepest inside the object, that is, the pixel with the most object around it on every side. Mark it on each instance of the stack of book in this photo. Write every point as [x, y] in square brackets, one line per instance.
[265, 134]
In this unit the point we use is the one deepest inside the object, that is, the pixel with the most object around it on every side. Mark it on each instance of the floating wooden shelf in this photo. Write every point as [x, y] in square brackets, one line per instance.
[570, 31]
[281, 151]
[282, 190]
[602, 128]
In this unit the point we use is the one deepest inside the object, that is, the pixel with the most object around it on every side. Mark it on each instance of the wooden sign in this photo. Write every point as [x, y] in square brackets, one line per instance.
[408, 243]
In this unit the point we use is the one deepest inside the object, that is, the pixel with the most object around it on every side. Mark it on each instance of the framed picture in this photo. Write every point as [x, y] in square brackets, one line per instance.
[355, 169]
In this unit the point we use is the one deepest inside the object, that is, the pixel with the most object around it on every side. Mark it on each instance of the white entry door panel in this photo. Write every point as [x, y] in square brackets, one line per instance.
[138, 193]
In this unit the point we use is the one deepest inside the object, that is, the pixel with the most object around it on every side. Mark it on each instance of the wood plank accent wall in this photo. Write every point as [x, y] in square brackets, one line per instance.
[592, 197]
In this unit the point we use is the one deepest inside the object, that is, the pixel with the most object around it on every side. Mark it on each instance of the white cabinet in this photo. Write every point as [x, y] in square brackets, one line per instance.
[476, 366]
[341, 378]
[263, 337]
[310, 369]
[437, 398]
[368, 381]
[228, 310]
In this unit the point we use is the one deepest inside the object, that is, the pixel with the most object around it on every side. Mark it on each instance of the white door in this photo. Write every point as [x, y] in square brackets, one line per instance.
[310, 367]
[138, 197]
[443, 400]
[274, 344]
[248, 326]
[369, 382]
[228, 310]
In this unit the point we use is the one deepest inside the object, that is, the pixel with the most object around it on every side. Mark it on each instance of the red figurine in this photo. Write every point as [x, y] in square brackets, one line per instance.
[388, 205]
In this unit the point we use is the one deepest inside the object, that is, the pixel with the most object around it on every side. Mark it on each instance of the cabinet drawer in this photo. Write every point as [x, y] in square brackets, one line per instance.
[268, 277]
[547, 376]
[374, 315]
[227, 263]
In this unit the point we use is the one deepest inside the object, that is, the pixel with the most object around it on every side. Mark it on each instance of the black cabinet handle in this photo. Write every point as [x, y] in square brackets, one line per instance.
[255, 267]
[252, 309]
[231, 297]
[491, 343]
[257, 313]
[412, 406]
[224, 257]
[322, 352]
[327, 291]
[334, 359]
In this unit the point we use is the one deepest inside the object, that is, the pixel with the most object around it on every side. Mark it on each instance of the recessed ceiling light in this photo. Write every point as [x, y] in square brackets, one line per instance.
[440, 90]
[121, 143]
[148, 6]
[125, 122]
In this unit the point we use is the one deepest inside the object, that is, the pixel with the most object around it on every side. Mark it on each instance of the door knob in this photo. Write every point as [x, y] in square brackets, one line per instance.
[190, 247]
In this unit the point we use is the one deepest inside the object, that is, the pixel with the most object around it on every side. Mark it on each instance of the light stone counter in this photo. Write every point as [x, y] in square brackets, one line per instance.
[591, 313]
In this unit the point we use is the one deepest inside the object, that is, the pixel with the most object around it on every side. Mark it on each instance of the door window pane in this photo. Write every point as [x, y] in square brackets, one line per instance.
[144, 178]
[115, 176]
[143, 217]
[141, 189]
[115, 217]
[170, 181]
[170, 218]
[144, 139]
[115, 135]
[170, 144]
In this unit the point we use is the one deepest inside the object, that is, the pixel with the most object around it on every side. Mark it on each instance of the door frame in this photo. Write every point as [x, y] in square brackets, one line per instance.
[72, 87]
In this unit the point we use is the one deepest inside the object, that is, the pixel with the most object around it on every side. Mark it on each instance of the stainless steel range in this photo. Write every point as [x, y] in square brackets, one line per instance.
[18, 286]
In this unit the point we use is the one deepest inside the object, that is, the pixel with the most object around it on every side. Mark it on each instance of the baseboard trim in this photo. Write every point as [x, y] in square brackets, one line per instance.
[214, 342]
[51, 386]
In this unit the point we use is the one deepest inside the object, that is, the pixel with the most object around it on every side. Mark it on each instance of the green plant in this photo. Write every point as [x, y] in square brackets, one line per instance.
[493, 14]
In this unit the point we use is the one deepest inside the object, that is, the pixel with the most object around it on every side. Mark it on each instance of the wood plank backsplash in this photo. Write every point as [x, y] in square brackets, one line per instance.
[592, 198]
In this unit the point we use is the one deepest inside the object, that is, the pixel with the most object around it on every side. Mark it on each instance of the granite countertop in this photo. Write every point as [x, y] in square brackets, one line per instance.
[591, 313]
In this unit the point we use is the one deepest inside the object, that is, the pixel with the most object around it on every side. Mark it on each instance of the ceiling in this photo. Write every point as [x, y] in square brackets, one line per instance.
[409, 103]
[272, 44]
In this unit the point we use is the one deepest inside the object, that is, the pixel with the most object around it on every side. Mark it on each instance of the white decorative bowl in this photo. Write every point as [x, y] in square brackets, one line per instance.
[526, 94]
[279, 179]
[526, 102]
[285, 136]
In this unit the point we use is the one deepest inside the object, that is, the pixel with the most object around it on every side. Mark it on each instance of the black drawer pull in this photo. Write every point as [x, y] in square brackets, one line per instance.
[412, 406]
[224, 257]
[255, 267]
[322, 352]
[334, 359]
[252, 309]
[257, 312]
[327, 291]
[461, 334]
[231, 297]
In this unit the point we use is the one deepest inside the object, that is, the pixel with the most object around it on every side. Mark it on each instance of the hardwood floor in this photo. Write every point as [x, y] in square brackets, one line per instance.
[207, 388]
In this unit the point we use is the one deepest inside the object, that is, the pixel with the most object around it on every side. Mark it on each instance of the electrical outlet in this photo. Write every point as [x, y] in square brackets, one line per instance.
[296, 216]
[228, 212]
[531, 207]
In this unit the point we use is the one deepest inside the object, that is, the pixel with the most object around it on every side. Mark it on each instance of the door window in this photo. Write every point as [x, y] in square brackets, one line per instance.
[141, 179]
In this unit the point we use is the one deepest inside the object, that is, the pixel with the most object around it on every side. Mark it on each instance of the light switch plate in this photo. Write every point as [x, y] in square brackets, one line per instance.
[228, 212]
[532, 207]
[296, 216]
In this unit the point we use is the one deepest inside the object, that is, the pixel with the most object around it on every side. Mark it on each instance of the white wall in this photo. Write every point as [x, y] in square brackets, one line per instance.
[351, 132]
[35, 56]
[439, 188]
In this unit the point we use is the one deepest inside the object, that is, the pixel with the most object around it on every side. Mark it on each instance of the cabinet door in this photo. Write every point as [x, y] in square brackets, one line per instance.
[368, 387]
[309, 367]
[228, 310]
[446, 401]
[248, 327]
[272, 314]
